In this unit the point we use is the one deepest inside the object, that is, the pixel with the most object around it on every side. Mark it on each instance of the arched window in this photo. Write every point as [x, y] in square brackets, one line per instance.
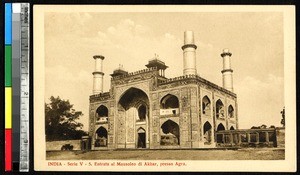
[170, 133]
[220, 127]
[102, 114]
[231, 128]
[169, 104]
[142, 112]
[101, 137]
[207, 132]
[219, 109]
[230, 111]
[220, 136]
[169, 101]
[141, 142]
[102, 111]
[206, 105]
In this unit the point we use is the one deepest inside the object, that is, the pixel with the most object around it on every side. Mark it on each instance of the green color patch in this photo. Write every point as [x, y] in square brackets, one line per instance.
[8, 60]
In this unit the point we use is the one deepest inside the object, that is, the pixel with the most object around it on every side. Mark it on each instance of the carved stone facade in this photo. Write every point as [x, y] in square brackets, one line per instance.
[146, 110]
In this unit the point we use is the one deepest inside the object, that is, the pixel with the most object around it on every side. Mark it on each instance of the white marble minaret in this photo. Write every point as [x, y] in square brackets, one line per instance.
[98, 74]
[227, 71]
[189, 54]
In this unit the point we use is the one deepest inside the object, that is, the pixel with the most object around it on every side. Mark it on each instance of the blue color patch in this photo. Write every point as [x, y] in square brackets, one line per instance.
[8, 21]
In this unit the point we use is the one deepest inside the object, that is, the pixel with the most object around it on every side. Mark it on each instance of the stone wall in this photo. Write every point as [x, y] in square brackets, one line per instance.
[56, 145]
[281, 137]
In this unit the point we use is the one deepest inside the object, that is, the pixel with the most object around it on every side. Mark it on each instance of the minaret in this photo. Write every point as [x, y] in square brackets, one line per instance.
[98, 75]
[189, 54]
[227, 71]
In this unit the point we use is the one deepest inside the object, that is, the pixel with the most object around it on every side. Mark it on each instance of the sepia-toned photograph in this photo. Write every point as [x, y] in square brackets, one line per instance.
[164, 88]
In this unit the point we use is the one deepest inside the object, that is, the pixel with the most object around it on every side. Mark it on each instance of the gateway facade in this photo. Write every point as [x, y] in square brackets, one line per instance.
[144, 109]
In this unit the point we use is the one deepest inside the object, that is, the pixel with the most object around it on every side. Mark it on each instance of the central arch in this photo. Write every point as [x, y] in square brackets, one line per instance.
[133, 113]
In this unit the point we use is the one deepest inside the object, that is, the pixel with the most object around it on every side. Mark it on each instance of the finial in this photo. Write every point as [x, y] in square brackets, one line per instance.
[156, 56]
[121, 66]
[226, 50]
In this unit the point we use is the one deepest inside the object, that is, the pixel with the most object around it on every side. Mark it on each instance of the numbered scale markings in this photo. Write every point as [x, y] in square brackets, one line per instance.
[24, 95]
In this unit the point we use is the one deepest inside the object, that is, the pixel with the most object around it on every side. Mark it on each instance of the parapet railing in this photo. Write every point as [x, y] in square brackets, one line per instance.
[135, 73]
[104, 95]
[247, 137]
[196, 78]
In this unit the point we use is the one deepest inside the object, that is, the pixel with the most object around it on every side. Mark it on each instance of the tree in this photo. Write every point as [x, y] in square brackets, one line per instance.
[283, 117]
[61, 120]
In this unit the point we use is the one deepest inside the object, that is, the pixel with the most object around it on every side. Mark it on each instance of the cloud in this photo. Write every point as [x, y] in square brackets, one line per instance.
[258, 97]
[169, 36]
[126, 29]
[68, 24]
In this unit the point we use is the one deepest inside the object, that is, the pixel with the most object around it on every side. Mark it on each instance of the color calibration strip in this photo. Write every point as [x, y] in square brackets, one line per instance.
[17, 86]
[8, 87]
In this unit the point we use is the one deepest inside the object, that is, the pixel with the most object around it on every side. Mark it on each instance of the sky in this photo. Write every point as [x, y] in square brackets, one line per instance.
[131, 39]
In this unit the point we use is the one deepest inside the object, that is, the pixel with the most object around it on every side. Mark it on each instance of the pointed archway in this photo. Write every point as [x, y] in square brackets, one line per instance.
[206, 106]
[170, 134]
[133, 112]
[219, 109]
[219, 136]
[141, 138]
[230, 111]
[220, 127]
[101, 137]
[102, 114]
[207, 132]
[169, 105]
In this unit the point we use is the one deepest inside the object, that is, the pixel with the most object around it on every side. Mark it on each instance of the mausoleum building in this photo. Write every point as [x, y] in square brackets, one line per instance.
[144, 109]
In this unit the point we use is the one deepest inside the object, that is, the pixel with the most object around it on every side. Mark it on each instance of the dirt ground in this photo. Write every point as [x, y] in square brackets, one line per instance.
[240, 154]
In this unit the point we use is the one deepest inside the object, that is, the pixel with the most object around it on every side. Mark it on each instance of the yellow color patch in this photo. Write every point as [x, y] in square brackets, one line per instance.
[8, 107]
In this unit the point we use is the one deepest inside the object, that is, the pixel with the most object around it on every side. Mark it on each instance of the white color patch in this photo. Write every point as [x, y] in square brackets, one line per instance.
[16, 7]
